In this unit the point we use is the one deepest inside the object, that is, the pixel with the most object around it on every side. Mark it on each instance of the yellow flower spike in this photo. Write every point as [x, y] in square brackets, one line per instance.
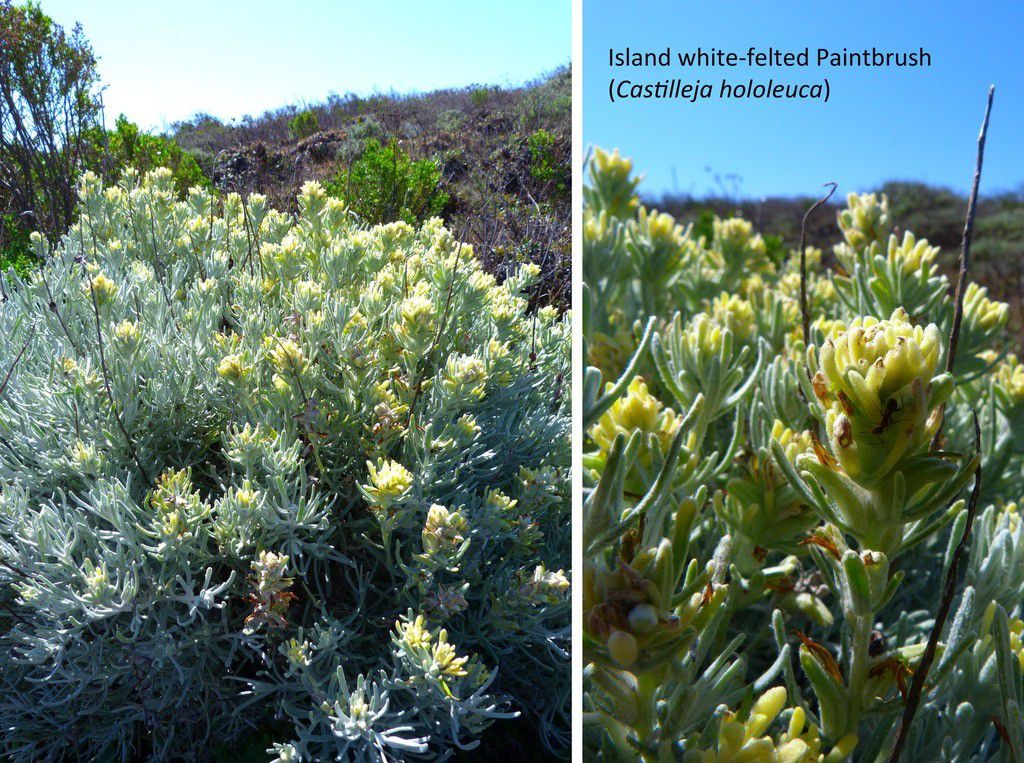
[465, 377]
[704, 338]
[443, 530]
[612, 164]
[356, 322]
[881, 401]
[981, 312]
[738, 250]
[415, 633]
[610, 174]
[637, 410]
[281, 384]
[912, 255]
[415, 326]
[232, 368]
[287, 355]
[753, 286]
[127, 331]
[389, 482]
[1009, 381]
[101, 288]
[309, 290]
[447, 659]
[500, 501]
[735, 313]
[793, 443]
[733, 232]
[748, 740]
[468, 426]
[417, 309]
[662, 228]
[887, 355]
[865, 219]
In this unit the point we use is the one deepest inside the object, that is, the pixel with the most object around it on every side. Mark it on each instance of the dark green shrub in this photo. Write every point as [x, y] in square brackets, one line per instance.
[999, 237]
[545, 166]
[479, 96]
[15, 248]
[303, 124]
[704, 225]
[384, 185]
[129, 147]
[49, 102]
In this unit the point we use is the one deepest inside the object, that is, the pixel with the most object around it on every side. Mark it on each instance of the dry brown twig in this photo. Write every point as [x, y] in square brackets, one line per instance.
[106, 373]
[17, 358]
[804, 313]
[965, 252]
[949, 591]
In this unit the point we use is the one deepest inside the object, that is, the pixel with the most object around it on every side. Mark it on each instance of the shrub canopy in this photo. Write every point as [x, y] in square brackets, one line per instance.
[274, 475]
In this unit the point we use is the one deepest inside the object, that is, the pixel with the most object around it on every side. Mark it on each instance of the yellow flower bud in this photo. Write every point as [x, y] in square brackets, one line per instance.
[875, 381]
[865, 220]
[287, 355]
[100, 288]
[232, 368]
[389, 483]
[623, 648]
[127, 331]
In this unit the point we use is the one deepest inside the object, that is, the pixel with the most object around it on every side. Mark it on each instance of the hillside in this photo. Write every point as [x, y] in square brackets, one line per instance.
[503, 155]
[937, 214]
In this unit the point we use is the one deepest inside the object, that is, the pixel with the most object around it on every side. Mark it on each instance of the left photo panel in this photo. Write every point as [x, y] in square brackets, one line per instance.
[285, 376]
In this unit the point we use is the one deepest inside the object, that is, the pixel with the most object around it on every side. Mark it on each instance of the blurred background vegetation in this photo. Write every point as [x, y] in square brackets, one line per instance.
[935, 213]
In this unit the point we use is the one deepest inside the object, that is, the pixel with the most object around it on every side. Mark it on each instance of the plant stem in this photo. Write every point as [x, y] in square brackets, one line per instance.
[860, 645]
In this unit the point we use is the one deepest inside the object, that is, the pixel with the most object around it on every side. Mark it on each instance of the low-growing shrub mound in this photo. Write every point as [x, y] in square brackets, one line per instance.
[383, 185]
[279, 477]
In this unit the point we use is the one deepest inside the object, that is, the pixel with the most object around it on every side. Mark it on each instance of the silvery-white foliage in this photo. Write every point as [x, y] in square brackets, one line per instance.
[279, 480]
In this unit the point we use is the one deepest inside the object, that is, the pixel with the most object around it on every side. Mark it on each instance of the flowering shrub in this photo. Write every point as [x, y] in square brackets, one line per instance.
[768, 521]
[279, 477]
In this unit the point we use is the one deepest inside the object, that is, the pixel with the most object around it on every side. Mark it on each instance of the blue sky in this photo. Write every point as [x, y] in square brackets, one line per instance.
[879, 124]
[165, 61]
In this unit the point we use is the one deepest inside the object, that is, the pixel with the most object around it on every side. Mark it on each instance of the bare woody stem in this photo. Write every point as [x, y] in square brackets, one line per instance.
[106, 372]
[965, 251]
[949, 591]
[17, 358]
[917, 686]
[110, 394]
[804, 312]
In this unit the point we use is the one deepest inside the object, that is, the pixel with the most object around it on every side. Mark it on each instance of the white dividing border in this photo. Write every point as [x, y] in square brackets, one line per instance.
[577, 381]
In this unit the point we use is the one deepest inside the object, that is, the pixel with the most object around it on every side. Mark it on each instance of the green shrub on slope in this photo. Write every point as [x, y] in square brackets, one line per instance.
[384, 185]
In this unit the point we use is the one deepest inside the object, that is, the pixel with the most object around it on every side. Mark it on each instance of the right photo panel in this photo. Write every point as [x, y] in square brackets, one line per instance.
[803, 396]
